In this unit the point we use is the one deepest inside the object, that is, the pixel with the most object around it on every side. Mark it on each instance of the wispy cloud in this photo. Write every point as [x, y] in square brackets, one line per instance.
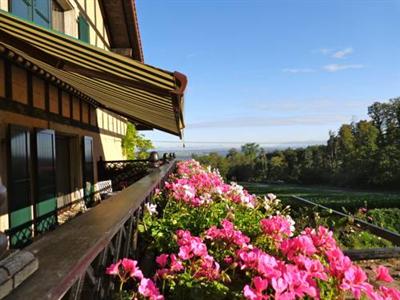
[343, 53]
[341, 67]
[307, 120]
[308, 106]
[296, 70]
[191, 55]
[324, 51]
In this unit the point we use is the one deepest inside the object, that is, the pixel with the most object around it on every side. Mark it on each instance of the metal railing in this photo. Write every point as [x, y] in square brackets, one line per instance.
[25, 233]
[122, 172]
[363, 254]
[73, 258]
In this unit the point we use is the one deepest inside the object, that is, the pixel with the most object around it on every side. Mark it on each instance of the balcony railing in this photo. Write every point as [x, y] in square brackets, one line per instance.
[122, 172]
[73, 257]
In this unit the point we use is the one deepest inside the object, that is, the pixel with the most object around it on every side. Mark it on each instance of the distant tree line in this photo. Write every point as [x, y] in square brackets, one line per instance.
[362, 154]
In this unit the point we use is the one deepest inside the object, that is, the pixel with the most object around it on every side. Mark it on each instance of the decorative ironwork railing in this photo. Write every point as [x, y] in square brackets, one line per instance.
[112, 176]
[122, 173]
[25, 233]
[73, 258]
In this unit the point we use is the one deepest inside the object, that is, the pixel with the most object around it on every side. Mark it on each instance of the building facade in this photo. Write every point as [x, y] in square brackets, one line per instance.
[58, 119]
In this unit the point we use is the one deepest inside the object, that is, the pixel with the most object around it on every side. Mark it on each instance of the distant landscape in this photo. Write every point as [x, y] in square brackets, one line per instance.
[364, 154]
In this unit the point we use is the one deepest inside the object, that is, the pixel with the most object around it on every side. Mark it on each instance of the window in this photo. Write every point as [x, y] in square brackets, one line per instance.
[46, 202]
[37, 11]
[19, 185]
[32, 184]
[83, 29]
[88, 168]
[57, 17]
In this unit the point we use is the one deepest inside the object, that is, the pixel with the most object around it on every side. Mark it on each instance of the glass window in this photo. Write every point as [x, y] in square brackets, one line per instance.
[22, 8]
[37, 11]
[83, 27]
[41, 13]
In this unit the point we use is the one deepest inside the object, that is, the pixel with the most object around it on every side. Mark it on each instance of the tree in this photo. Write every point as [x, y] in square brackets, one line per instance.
[251, 150]
[134, 145]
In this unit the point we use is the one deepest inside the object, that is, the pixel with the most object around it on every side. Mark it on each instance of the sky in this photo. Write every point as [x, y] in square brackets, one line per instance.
[272, 71]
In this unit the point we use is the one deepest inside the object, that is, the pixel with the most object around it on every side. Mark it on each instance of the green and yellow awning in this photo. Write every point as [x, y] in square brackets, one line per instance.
[142, 93]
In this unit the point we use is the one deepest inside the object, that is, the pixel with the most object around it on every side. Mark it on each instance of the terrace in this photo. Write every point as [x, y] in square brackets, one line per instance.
[73, 257]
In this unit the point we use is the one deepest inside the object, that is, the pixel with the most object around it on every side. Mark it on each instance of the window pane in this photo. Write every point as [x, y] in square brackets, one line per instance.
[43, 7]
[40, 20]
[19, 168]
[41, 13]
[22, 8]
[83, 29]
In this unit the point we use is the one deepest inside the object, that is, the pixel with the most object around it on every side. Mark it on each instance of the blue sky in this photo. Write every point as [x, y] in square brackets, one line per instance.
[273, 71]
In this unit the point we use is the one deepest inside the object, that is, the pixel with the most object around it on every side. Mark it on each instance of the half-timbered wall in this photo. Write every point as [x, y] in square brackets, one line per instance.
[67, 15]
[33, 103]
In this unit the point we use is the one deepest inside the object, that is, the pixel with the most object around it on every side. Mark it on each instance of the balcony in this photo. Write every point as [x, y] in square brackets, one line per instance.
[72, 258]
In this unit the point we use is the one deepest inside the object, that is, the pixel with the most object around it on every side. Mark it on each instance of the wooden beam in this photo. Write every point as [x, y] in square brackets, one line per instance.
[373, 253]
[123, 51]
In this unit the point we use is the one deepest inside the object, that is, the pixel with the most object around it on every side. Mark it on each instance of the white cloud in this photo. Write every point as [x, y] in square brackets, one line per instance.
[324, 51]
[343, 53]
[258, 121]
[296, 71]
[341, 67]
[309, 106]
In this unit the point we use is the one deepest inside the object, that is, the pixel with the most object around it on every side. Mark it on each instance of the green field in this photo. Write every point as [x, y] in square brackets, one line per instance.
[383, 210]
[333, 198]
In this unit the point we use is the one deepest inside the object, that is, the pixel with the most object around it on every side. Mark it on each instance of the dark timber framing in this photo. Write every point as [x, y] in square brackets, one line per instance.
[8, 104]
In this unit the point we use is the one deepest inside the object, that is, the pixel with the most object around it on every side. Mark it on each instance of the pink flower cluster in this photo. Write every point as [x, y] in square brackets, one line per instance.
[228, 234]
[127, 269]
[303, 263]
[274, 265]
[278, 227]
[310, 258]
[198, 186]
[193, 257]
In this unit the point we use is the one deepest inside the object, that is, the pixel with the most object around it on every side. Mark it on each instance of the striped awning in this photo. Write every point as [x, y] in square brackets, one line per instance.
[145, 94]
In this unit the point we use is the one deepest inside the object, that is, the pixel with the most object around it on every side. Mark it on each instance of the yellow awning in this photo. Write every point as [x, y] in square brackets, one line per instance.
[145, 94]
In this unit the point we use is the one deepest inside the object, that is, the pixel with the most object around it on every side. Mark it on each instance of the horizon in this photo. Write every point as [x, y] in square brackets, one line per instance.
[273, 71]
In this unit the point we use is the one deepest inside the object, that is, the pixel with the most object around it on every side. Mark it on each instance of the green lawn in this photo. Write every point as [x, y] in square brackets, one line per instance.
[334, 198]
[384, 211]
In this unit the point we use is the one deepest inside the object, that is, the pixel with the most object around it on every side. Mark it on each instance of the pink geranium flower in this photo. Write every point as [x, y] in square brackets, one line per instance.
[278, 227]
[228, 234]
[125, 268]
[389, 293]
[131, 268]
[162, 260]
[301, 244]
[113, 269]
[256, 293]
[382, 274]
[147, 288]
[355, 280]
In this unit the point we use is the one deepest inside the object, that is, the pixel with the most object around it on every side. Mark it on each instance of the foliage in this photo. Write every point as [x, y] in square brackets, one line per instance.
[345, 231]
[220, 242]
[386, 218]
[134, 145]
[331, 197]
[364, 154]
